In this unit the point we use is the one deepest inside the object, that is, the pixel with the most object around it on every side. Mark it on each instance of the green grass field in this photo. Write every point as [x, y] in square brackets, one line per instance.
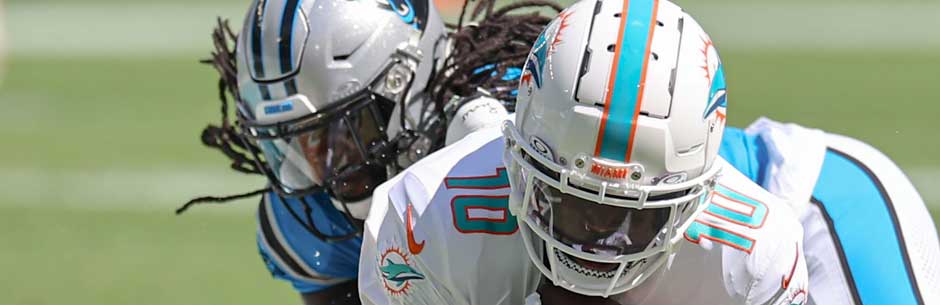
[101, 143]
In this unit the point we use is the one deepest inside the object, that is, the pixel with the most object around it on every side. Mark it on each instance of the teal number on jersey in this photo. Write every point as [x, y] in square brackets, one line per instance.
[699, 230]
[722, 223]
[497, 181]
[482, 213]
[756, 210]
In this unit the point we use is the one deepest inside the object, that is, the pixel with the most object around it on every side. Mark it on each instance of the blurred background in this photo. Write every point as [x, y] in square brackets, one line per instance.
[103, 100]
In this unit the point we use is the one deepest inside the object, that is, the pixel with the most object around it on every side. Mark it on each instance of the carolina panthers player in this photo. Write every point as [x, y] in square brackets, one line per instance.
[329, 104]
[612, 169]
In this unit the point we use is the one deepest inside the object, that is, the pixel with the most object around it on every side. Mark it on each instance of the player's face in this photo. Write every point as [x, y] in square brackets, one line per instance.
[598, 228]
[338, 154]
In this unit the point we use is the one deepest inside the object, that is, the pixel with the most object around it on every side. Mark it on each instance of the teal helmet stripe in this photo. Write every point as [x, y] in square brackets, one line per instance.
[623, 103]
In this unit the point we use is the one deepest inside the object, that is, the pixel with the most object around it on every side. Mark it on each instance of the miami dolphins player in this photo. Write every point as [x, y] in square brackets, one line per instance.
[846, 194]
[328, 105]
[609, 179]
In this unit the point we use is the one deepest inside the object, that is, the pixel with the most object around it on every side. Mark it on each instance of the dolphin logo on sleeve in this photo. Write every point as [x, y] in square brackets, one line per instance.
[400, 273]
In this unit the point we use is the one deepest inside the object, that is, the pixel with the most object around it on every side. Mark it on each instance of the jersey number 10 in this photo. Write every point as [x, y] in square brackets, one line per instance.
[728, 219]
[477, 213]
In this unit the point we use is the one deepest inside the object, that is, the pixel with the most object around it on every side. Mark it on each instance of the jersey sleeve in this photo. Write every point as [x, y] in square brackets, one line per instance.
[371, 284]
[775, 271]
[792, 159]
[475, 113]
[760, 240]
[292, 254]
[441, 233]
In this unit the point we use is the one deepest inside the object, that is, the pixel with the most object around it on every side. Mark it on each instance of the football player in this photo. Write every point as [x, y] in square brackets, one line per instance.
[328, 106]
[610, 168]
[314, 92]
[844, 192]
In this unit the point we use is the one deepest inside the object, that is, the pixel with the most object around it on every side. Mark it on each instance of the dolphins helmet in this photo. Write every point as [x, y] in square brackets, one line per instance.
[620, 113]
[327, 91]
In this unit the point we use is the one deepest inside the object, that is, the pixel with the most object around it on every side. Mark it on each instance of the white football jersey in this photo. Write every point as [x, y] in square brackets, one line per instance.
[745, 248]
[869, 237]
[441, 233]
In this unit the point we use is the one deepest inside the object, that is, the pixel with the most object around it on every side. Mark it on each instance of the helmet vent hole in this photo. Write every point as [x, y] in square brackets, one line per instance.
[616, 15]
[611, 47]
[659, 23]
[586, 62]
[655, 56]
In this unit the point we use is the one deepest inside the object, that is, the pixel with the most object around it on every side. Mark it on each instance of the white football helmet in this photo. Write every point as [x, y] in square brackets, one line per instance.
[322, 86]
[620, 113]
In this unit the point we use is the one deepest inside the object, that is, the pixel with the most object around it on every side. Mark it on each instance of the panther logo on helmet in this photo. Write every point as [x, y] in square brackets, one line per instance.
[411, 13]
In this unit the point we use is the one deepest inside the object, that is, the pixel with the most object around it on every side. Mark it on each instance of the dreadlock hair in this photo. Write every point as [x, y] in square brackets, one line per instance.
[483, 52]
[225, 137]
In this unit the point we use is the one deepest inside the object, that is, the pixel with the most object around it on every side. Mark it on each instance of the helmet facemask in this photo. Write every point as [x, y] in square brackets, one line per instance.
[344, 149]
[597, 232]
[318, 109]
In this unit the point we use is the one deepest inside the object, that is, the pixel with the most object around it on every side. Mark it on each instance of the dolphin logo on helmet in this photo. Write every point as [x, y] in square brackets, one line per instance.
[623, 100]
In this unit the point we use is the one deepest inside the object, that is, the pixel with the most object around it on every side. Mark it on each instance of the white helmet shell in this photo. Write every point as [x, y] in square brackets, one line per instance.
[620, 103]
[322, 85]
[326, 50]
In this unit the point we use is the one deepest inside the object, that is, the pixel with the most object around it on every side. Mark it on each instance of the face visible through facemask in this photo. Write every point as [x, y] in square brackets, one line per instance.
[598, 228]
[335, 154]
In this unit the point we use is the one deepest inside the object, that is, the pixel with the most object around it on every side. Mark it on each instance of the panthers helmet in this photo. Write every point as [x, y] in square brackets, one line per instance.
[620, 113]
[327, 89]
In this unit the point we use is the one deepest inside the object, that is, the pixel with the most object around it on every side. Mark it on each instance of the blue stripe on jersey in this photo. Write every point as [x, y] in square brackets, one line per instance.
[746, 152]
[330, 259]
[300, 285]
[864, 223]
[624, 100]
